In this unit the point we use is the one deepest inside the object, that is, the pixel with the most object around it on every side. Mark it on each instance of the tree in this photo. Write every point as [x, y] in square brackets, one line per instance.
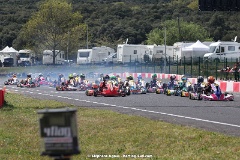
[182, 31]
[54, 26]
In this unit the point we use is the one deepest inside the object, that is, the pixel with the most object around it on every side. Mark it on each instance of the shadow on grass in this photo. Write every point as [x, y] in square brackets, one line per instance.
[7, 107]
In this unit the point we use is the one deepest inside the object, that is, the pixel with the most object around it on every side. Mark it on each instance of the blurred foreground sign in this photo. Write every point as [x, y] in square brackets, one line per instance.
[58, 130]
[219, 5]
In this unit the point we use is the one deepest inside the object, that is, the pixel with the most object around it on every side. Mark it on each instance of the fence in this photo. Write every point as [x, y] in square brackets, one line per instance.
[191, 67]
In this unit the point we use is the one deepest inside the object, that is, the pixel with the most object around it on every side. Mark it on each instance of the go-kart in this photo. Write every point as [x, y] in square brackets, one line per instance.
[84, 85]
[90, 92]
[155, 87]
[65, 87]
[10, 81]
[183, 89]
[28, 85]
[42, 81]
[196, 93]
[137, 88]
[217, 95]
[109, 91]
[170, 88]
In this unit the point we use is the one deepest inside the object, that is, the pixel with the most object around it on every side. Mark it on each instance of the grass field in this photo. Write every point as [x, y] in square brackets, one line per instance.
[108, 133]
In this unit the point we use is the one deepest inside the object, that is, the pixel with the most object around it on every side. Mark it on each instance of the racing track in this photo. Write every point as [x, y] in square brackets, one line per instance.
[214, 116]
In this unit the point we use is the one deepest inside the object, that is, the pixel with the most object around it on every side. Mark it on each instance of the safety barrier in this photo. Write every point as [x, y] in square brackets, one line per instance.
[226, 86]
[2, 92]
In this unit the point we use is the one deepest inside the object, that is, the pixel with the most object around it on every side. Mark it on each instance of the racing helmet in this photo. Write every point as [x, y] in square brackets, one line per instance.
[139, 77]
[172, 77]
[101, 75]
[70, 76]
[200, 79]
[29, 75]
[74, 74]
[82, 75]
[107, 77]
[113, 78]
[14, 75]
[184, 79]
[40, 75]
[130, 77]
[154, 75]
[211, 79]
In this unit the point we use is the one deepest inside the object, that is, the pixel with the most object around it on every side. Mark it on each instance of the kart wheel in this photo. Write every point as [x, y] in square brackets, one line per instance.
[181, 93]
[123, 94]
[199, 97]
[95, 93]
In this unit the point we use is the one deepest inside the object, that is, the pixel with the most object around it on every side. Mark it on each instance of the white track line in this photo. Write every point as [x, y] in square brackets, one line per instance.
[144, 110]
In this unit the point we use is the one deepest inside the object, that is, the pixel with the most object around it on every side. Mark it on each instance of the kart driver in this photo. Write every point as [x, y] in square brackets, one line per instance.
[200, 83]
[13, 79]
[82, 78]
[154, 80]
[183, 84]
[210, 86]
[139, 81]
[171, 83]
[70, 80]
[29, 79]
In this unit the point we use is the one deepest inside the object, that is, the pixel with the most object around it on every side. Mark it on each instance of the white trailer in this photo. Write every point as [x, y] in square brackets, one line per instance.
[127, 53]
[222, 50]
[157, 52]
[178, 49]
[48, 57]
[94, 55]
[26, 57]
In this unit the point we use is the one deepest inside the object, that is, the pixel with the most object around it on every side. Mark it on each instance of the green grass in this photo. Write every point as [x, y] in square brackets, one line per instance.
[103, 132]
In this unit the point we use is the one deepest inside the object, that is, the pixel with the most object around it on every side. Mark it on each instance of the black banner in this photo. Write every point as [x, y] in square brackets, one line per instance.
[219, 5]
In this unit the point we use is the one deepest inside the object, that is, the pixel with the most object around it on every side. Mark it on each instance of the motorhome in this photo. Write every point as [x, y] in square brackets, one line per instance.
[157, 54]
[48, 57]
[94, 55]
[26, 57]
[222, 50]
[127, 53]
[112, 58]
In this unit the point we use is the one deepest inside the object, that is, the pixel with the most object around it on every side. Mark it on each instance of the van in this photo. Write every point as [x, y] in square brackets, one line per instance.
[220, 51]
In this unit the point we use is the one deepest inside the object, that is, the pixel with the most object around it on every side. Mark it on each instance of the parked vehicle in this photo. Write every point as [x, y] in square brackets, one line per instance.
[94, 55]
[127, 53]
[26, 57]
[112, 58]
[221, 50]
[48, 57]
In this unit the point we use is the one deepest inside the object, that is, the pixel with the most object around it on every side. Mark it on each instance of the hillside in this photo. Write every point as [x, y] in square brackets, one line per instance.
[111, 22]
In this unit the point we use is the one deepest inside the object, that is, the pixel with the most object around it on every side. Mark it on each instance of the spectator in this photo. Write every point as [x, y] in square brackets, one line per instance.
[236, 72]
[228, 69]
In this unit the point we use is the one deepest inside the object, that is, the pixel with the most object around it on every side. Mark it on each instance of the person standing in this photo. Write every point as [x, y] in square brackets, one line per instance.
[236, 72]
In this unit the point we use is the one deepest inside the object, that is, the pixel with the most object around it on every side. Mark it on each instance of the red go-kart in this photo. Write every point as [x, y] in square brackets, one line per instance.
[107, 90]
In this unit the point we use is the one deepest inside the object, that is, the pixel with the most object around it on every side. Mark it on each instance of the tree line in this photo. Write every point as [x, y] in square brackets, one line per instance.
[110, 22]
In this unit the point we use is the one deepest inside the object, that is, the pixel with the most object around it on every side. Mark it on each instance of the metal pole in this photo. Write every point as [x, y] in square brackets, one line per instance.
[67, 46]
[165, 40]
[87, 36]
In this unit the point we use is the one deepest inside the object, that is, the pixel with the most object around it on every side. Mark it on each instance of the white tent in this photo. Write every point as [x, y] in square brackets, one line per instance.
[195, 51]
[9, 52]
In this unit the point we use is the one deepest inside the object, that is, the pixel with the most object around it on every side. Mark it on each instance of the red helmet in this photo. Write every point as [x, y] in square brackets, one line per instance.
[211, 79]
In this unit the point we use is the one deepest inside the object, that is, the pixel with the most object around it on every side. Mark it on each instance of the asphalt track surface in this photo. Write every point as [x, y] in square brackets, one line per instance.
[215, 116]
